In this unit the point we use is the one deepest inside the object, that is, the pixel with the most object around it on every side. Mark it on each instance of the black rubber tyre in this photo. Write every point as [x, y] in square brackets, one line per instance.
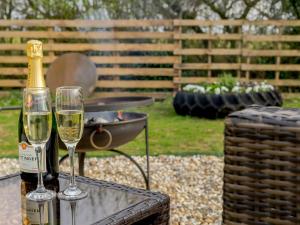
[179, 102]
[213, 106]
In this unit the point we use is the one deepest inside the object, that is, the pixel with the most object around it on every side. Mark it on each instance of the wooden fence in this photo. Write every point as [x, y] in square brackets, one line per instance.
[156, 57]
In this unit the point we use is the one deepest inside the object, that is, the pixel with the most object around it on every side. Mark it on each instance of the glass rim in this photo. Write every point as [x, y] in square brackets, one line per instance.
[73, 87]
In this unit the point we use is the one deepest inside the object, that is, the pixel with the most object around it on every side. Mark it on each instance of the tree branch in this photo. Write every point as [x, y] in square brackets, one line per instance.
[249, 6]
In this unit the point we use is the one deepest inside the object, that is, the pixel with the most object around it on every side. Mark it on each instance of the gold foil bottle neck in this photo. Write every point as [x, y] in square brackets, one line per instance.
[35, 76]
[34, 48]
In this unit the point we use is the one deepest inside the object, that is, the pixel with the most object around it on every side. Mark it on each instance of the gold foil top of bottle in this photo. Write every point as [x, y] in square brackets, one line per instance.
[35, 76]
[34, 48]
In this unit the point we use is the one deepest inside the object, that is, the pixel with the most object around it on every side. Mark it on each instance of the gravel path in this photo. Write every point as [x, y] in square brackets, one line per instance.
[193, 183]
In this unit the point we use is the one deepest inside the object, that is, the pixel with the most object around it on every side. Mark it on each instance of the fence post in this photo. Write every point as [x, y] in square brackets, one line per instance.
[177, 29]
[239, 46]
[248, 59]
[51, 53]
[115, 54]
[278, 59]
[209, 46]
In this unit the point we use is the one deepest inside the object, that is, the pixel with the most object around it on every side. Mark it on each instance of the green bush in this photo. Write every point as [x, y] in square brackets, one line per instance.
[227, 80]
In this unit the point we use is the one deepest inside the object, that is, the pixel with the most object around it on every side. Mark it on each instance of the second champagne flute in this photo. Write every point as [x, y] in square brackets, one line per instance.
[69, 118]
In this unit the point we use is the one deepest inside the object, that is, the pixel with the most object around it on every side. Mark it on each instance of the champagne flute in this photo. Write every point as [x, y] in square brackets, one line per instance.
[69, 119]
[37, 121]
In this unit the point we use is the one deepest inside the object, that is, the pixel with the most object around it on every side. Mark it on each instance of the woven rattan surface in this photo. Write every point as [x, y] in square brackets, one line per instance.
[107, 203]
[262, 167]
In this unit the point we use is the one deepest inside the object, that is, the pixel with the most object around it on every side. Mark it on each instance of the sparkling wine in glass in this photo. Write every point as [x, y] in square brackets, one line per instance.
[69, 119]
[37, 120]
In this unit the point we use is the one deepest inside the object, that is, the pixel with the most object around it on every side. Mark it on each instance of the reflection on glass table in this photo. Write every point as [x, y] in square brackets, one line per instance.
[106, 201]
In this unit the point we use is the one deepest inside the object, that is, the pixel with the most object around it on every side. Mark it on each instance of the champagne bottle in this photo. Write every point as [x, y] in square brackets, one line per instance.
[27, 156]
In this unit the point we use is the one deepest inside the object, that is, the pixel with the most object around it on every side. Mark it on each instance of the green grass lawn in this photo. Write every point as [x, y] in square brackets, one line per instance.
[168, 132]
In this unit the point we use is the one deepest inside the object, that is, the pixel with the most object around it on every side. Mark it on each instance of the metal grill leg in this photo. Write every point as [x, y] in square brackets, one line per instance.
[63, 158]
[81, 157]
[135, 163]
[147, 154]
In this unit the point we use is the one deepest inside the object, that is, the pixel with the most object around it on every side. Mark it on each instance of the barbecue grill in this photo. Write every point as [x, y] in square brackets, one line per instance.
[105, 128]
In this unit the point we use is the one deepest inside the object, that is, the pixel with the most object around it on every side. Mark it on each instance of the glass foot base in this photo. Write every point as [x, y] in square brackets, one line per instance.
[40, 196]
[72, 193]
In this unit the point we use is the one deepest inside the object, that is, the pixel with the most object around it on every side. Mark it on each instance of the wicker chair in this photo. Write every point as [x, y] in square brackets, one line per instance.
[262, 167]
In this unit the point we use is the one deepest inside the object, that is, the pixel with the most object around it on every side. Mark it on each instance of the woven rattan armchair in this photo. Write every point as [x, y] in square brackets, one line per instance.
[262, 167]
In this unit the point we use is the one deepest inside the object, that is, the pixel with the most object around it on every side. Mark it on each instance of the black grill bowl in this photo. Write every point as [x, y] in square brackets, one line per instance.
[108, 132]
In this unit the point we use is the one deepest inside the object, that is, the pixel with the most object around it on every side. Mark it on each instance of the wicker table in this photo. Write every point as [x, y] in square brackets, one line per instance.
[107, 203]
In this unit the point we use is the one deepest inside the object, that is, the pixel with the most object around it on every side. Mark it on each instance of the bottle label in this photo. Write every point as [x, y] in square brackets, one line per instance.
[27, 159]
[33, 214]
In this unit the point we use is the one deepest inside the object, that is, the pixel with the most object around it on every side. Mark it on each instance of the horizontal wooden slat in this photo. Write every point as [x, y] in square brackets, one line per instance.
[102, 71]
[262, 52]
[13, 71]
[23, 59]
[194, 80]
[156, 95]
[268, 67]
[256, 38]
[135, 84]
[286, 82]
[236, 22]
[206, 66]
[86, 35]
[197, 80]
[12, 83]
[274, 22]
[104, 83]
[187, 36]
[207, 22]
[143, 23]
[214, 51]
[133, 59]
[16, 71]
[135, 71]
[272, 38]
[101, 59]
[86, 23]
[94, 47]
[244, 52]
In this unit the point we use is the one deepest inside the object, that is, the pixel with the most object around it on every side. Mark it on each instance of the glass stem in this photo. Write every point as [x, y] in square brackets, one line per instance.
[38, 152]
[73, 211]
[71, 150]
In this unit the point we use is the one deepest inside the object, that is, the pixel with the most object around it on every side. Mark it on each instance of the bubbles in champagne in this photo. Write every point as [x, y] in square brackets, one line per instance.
[37, 126]
[70, 125]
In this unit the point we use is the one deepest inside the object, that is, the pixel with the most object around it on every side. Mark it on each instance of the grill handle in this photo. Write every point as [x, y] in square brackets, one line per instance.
[99, 130]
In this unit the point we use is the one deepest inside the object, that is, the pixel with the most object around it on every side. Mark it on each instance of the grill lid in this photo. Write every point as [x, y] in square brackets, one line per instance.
[72, 69]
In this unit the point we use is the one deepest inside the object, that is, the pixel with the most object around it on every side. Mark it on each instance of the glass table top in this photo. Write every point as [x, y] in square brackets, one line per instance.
[101, 202]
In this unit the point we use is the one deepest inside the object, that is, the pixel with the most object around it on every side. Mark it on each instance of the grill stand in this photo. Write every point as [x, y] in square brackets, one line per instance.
[146, 176]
